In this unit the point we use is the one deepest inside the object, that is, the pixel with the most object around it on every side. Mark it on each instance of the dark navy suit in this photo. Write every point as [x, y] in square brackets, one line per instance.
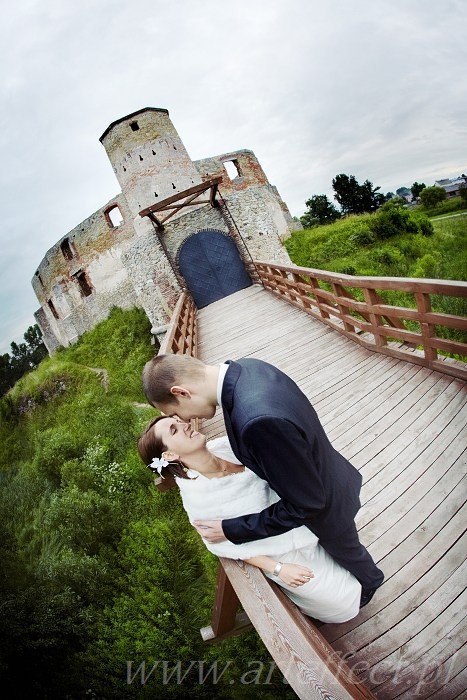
[275, 432]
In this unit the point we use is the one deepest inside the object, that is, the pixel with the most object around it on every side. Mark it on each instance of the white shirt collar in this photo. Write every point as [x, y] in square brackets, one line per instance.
[220, 381]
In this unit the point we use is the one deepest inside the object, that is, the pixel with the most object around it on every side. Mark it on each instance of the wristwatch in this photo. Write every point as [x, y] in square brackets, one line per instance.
[277, 569]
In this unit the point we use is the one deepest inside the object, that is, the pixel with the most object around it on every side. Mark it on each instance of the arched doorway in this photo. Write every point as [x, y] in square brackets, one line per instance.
[212, 267]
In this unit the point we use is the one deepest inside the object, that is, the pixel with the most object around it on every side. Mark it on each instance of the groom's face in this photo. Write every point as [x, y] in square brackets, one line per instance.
[189, 405]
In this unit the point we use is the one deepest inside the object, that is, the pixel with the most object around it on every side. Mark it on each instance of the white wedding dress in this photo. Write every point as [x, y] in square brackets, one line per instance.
[333, 595]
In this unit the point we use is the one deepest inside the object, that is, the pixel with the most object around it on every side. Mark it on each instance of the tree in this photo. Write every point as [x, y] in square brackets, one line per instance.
[36, 348]
[463, 192]
[403, 192]
[432, 196]
[355, 198]
[395, 201]
[24, 357]
[389, 195]
[5, 374]
[416, 188]
[320, 211]
[371, 199]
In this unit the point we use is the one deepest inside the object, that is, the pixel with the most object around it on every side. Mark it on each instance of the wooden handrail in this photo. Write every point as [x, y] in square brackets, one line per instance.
[182, 335]
[309, 663]
[372, 322]
[181, 339]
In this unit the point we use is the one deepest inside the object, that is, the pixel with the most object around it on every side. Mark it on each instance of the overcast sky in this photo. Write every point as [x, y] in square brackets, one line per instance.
[315, 88]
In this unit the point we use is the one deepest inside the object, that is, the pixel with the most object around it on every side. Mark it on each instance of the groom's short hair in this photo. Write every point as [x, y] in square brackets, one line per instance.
[165, 371]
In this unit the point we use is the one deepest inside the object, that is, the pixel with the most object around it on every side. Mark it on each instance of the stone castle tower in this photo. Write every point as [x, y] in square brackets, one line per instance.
[176, 224]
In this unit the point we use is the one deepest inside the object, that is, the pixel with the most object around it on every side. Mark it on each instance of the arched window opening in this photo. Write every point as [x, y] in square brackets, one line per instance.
[233, 169]
[67, 249]
[134, 126]
[51, 306]
[84, 283]
[114, 216]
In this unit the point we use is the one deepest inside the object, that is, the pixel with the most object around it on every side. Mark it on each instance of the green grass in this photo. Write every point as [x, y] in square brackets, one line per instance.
[348, 246]
[98, 566]
[449, 206]
[462, 212]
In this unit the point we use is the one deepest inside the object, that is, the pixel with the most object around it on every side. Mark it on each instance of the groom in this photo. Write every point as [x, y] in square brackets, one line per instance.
[274, 431]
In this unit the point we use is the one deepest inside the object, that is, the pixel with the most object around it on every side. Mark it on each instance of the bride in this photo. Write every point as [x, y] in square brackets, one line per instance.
[214, 485]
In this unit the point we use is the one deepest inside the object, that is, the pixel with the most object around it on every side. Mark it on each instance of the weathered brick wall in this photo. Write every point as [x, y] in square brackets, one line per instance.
[50, 335]
[249, 174]
[246, 168]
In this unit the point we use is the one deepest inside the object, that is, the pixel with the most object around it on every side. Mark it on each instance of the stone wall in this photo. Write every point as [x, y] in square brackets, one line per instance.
[82, 276]
[104, 262]
[149, 158]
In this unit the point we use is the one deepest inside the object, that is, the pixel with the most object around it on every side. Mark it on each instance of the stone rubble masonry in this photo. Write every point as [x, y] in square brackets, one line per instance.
[151, 163]
[104, 262]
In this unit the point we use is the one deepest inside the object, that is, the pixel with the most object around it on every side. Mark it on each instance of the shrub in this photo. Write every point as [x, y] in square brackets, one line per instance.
[432, 196]
[362, 237]
[452, 204]
[387, 256]
[428, 266]
[424, 225]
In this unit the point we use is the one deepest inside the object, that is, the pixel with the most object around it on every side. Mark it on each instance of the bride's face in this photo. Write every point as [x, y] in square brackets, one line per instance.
[179, 437]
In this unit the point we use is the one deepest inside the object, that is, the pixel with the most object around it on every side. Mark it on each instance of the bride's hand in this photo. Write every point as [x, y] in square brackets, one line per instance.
[295, 575]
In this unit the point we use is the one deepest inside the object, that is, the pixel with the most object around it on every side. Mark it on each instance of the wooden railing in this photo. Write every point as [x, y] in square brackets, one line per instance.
[182, 335]
[310, 665]
[372, 322]
[308, 662]
[181, 339]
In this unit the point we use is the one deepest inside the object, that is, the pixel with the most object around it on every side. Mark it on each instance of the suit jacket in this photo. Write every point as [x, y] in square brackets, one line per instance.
[275, 431]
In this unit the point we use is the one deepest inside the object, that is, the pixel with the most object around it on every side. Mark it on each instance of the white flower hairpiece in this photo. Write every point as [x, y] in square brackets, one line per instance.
[157, 465]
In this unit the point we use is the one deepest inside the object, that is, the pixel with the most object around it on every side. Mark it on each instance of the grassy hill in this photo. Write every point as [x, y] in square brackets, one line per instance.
[391, 243]
[357, 246]
[99, 569]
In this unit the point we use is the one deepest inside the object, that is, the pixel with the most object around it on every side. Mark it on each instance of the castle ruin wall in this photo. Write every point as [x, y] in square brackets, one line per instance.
[115, 257]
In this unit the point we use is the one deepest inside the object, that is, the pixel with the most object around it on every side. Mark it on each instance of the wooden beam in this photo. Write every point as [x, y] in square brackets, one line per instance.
[212, 198]
[176, 207]
[226, 621]
[203, 187]
[186, 204]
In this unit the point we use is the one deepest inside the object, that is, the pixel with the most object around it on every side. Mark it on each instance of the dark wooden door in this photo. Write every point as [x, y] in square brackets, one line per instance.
[212, 267]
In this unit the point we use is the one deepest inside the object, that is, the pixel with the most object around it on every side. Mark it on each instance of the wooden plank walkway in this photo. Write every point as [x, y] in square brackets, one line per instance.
[403, 427]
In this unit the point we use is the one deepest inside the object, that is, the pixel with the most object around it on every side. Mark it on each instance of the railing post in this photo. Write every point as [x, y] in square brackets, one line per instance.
[376, 320]
[314, 284]
[427, 329]
[225, 620]
[339, 291]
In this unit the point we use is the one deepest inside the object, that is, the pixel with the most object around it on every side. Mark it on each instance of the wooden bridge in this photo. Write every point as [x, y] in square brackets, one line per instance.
[397, 411]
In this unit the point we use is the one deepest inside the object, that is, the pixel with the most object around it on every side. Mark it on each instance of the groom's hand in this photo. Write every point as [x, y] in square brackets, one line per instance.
[210, 530]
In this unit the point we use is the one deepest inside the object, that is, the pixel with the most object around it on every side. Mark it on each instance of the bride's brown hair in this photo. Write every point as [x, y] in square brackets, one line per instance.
[150, 445]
